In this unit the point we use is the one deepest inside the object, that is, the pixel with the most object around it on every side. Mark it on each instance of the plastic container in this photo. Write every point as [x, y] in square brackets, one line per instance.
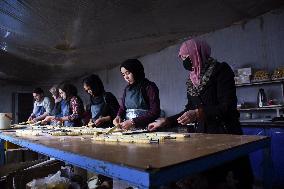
[5, 120]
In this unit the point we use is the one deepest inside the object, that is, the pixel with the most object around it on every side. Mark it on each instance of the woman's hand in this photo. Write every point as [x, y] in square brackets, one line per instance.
[126, 125]
[102, 120]
[188, 117]
[116, 121]
[91, 123]
[47, 119]
[58, 119]
[30, 119]
[34, 120]
[157, 124]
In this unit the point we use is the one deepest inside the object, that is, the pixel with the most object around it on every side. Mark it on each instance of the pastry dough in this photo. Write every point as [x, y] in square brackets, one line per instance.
[73, 133]
[58, 133]
[133, 136]
[28, 132]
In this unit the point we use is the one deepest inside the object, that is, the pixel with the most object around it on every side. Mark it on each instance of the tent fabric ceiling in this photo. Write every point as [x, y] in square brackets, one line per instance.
[54, 40]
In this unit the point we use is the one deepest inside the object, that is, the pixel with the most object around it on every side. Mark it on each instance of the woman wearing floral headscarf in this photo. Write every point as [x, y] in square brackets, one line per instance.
[212, 100]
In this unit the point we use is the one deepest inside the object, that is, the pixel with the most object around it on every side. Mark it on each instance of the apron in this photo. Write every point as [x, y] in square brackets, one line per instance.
[58, 114]
[97, 107]
[134, 102]
[39, 111]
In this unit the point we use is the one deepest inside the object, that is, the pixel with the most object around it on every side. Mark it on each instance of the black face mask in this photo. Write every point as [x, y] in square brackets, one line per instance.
[187, 64]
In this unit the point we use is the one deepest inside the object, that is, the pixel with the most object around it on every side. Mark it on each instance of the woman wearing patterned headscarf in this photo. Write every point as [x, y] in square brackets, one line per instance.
[140, 102]
[211, 93]
[212, 100]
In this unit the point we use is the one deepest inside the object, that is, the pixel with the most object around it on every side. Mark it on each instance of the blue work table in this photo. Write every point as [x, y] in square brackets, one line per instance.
[147, 165]
[276, 133]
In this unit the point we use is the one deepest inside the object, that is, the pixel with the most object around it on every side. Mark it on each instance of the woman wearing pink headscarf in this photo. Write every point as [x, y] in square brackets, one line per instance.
[211, 93]
[212, 100]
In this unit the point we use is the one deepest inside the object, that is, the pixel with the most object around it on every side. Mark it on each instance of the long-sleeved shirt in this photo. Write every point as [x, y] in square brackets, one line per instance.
[150, 93]
[218, 102]
[76, 109]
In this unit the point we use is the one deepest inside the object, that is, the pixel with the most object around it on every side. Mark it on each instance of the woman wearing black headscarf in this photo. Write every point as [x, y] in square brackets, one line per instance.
[104, 105]
[140, 102]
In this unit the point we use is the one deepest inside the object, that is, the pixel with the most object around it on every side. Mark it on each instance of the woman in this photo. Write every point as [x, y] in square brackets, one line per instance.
[57, 109]
[104, 105]
[140, 102]
[72, 107]
[212, 103]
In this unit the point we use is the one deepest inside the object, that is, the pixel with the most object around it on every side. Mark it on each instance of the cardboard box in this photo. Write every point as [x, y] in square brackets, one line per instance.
[245, 71]
[244, 79]
[237, 80]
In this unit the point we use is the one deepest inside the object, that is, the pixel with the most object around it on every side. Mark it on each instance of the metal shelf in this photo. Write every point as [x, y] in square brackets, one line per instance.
[275, 108]
[262, 108]
[260, 83]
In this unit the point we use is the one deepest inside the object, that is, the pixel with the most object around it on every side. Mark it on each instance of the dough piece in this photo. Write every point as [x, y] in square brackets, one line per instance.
[58, 133]
[180, 135]
[87, 132]
[111, 139]
[99, 138]
[73, 133]
[128, 140]
[28, 133]
[142, 140]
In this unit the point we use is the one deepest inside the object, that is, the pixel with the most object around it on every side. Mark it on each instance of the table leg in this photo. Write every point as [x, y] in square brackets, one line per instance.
[267, 168]
[2, 152]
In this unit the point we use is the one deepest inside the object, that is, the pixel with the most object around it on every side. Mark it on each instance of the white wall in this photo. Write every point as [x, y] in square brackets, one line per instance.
[258, 43]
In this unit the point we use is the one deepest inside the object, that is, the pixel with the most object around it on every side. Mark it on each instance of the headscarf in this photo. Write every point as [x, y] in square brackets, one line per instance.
[95, 83]
[136, 68]
[199, 53]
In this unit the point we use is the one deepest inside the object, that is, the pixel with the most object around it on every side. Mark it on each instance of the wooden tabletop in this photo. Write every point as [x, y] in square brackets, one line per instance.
[140, 156]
